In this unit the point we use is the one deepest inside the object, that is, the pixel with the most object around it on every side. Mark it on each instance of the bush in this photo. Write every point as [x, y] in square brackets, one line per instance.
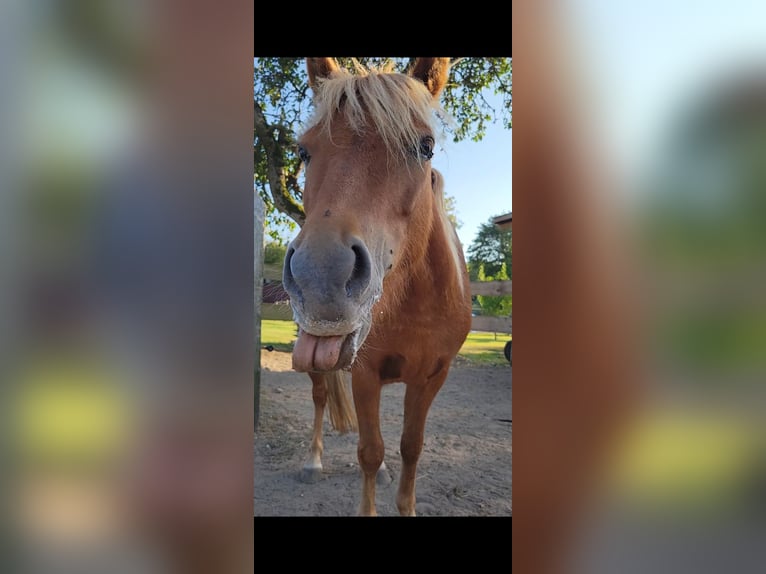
[495, 305]
[274, 253]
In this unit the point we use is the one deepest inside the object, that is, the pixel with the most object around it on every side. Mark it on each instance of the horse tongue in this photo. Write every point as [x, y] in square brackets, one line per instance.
[312, 353]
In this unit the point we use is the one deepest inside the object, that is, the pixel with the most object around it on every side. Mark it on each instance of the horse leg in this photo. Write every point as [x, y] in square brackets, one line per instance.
[312, 469]
[417, 401]
[370, 449]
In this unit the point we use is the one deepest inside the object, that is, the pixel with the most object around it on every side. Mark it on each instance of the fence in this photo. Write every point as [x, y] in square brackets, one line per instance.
[480, 323]
[492, 324]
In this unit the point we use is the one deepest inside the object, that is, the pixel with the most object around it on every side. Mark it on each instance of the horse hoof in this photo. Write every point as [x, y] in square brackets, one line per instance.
[383, 478]
[310, 475]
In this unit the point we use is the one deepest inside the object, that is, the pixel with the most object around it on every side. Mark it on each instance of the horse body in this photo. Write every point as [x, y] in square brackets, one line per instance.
[376, 277]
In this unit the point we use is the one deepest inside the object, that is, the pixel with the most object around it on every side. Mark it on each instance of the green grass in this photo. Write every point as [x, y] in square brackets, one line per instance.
[280, 334]
[485, 348]
[479, 348]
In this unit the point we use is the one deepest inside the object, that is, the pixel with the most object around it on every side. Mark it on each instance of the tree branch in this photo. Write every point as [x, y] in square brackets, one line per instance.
[276, 169]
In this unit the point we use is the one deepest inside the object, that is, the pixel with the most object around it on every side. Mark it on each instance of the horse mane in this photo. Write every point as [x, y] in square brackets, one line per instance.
[396, 105]
[449, 229]
[410, 271]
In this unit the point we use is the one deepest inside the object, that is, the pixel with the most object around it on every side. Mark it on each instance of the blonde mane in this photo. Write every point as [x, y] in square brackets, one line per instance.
[453, 241]
[396, 105]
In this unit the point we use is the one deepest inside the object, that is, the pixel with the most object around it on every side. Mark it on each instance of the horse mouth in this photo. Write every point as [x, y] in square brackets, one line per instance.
[324, 353]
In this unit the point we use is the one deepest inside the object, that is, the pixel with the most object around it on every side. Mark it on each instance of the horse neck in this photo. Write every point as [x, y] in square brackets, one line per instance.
[431, 269]
[443, 261]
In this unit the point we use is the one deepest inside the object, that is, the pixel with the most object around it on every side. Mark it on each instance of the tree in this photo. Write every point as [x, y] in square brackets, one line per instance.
[490, 251]
[490, 259]
[449, 205]
[493, 304]
[282, 103]
[274, 253]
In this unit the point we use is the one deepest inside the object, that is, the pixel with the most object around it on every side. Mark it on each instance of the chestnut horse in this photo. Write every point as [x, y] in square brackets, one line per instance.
[376, 276]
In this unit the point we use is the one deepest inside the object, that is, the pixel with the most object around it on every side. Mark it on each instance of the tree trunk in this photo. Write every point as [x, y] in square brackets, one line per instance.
[276, 169]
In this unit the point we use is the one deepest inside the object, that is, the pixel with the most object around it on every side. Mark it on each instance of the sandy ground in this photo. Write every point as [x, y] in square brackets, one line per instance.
[464, 470]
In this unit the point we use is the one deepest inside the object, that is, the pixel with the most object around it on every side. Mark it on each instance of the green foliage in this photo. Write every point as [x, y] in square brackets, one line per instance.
[490, 252]
[464, 97]
[490, 259]
[282, 102]
[703, 238]
[281, 84]
[449, 205]
[494, 305]
[274, 253]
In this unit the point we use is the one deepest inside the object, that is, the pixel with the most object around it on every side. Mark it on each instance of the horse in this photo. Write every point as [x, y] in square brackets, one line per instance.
[376, 276]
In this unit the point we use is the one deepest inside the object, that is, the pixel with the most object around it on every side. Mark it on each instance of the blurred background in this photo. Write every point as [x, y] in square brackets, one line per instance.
[126, 272]
[640, 183]
[126, 266]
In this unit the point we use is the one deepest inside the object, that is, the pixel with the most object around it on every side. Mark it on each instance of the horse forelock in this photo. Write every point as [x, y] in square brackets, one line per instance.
[394, 105]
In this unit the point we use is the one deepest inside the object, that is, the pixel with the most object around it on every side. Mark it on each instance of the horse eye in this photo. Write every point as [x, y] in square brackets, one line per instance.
[426, 147]
[303, 154]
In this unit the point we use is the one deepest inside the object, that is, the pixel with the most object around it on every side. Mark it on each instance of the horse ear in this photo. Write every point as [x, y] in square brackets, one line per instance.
[319, 68]
[433, 72]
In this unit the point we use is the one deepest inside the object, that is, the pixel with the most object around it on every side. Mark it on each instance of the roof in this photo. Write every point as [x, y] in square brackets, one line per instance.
[273, 292]
[503, 221]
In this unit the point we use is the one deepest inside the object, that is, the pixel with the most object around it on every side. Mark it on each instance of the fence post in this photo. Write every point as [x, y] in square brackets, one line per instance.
[259, 212]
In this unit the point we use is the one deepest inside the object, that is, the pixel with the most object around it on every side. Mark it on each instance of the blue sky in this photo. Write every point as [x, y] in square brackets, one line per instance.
[479, 175]
[644, 62]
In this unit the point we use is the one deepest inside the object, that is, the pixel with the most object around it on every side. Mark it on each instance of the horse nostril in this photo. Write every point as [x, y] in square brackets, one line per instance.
[288, 281]
[287, 271]
[360, 275]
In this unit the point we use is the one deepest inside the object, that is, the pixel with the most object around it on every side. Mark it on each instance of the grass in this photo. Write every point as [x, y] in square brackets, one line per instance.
[279, 334]
[277, 311]
[483, 349]
[689, 462]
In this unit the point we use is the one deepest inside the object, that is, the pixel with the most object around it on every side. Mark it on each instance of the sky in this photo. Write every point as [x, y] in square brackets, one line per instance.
[479, 175]
[645, 62]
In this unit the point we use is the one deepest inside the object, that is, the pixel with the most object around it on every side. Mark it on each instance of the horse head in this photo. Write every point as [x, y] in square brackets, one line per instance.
[368, 202]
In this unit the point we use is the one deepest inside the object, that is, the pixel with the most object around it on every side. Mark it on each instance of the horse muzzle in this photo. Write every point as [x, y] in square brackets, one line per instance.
[332, 290]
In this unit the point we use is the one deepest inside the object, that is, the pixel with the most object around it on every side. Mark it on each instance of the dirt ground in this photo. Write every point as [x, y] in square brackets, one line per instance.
[465, 468]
